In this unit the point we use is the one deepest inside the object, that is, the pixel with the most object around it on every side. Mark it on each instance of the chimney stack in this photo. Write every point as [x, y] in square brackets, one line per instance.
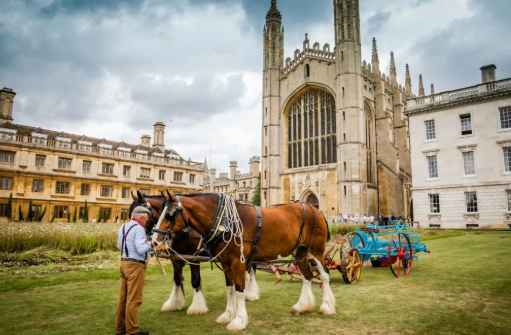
[6, 102]
[159, 136]
[145, 141]
[212, 178]
[488, 73]
[255, 165]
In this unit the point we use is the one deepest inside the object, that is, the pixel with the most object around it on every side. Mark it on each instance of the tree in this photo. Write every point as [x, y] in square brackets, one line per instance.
[30, 215]
[74, 215]
[53, 217]
[36, 214]
[100, 217]
[256, 198]
[68, 216]
[21, 218]
[86, 213]
[9, 208]
[40, 217]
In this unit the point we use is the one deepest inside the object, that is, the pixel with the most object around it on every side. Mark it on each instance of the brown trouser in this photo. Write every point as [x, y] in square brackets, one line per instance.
[130, 297]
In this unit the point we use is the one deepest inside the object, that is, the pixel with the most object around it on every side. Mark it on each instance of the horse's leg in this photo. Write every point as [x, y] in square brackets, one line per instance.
[230, 311]
[254, 288]
[241, 320]
[177, 297]
[328, 305]
[306, 302]
[198, 305]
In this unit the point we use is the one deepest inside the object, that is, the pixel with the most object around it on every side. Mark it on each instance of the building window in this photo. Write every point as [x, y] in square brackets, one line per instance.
[505, 118]
[430, 130]
[5, 183]
[307, 131]
[432, 167]
[144, 191]
[471, 200]
[178, 176]
[7, 156]
[107, 168]
[508, 195]
[126, 171]
[125, 192]
[4, 210]
[162, 175]
[434, 203]
[86, 166]
[507, 159]
[192, 179]
[40, 160]
[37, 186]
[61, 212]
[124, 215]
[65, 145]
[62, 187]
[65, 163]
[466, 124]
[468, 163]
[145, 173]
[85, 189]
[106, 191]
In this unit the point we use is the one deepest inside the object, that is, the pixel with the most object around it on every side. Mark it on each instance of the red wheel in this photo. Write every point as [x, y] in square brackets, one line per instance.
[400, 255]
[355, 240]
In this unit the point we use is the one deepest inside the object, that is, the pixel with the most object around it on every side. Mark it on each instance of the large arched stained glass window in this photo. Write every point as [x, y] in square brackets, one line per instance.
[311, 129]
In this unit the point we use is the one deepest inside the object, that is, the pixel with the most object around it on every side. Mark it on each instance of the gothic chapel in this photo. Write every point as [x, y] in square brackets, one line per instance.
[334, 133]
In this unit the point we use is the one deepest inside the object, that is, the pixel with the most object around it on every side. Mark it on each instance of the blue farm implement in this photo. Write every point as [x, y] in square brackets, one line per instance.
[396, 245]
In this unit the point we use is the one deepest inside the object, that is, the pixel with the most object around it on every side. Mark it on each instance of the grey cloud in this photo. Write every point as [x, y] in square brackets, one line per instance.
[376, 21]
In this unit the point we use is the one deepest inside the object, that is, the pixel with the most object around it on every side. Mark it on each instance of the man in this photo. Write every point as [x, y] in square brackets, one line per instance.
[371, 219]
[135, 250]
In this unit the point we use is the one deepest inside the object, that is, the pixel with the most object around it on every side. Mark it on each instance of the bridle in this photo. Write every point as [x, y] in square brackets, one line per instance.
[173, 210]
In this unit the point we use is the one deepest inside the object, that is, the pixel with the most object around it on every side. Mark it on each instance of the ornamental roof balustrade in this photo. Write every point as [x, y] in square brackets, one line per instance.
[42, 140]
[485, 90]
[300, 56]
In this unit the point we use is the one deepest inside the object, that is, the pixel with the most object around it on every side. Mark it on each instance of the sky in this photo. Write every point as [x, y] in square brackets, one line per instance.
[112, 68]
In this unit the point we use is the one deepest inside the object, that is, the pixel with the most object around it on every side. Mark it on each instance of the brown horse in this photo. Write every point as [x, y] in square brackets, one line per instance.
[186, 244]
[297, 229]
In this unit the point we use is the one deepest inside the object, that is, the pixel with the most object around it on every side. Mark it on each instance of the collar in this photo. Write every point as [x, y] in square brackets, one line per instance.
[133, 219]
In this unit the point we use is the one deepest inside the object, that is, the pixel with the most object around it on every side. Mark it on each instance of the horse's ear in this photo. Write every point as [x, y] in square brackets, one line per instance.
[140, 196]
[172, 196]
[133, 196]
[163, 195]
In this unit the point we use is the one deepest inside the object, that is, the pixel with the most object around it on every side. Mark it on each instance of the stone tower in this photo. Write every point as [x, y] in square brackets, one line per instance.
[232, 176]
[159, 136]
[351, 142]
[6, 102]
[273, 54]
[145, 141]
[255, 163]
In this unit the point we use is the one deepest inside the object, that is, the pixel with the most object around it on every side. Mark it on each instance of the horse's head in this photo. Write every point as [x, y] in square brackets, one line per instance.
[173, 219]
[154, 205]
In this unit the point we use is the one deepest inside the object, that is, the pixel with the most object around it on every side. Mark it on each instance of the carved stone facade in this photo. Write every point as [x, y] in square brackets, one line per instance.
[461, 150]
[334, 133]
[60, 171]
[240, 185]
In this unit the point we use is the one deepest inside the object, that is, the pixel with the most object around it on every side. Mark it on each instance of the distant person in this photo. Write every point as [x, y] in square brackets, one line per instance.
[391, 221]
[371, 219]
[93, 220]
[385, 220]
[365, 219]
[135, 250]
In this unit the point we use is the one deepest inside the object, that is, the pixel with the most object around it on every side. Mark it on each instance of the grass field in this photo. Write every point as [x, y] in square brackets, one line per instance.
[462, 287]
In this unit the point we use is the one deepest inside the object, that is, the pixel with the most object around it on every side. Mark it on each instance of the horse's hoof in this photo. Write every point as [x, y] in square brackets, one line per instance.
[171, 307]
[301, 309]
[224, 318]
[251, 297]
[197, 310]
[236, 324]
[325, 309]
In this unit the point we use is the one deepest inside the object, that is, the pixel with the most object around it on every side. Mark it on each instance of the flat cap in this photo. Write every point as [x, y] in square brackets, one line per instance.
[141, 210]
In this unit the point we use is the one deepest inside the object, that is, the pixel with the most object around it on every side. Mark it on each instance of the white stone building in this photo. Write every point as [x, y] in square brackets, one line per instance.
[461, 154]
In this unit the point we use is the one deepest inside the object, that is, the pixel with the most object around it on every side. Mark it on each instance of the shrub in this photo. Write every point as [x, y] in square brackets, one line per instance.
[343, 228]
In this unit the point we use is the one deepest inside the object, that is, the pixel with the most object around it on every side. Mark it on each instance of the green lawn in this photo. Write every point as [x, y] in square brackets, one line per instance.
[462, 287]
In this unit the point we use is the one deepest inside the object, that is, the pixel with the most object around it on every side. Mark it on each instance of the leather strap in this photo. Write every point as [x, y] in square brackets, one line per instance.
[257, 237]
[126, 259]
[124, 244]
[301, 228]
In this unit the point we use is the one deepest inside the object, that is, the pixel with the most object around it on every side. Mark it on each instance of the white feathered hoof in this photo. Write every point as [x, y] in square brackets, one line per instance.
[327, 309]
[237, 324]
[301, 308]
[176, 301]
[251, 296]
[198, 306]
[224, 318]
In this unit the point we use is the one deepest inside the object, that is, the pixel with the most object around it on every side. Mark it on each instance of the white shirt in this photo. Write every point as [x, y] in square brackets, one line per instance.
[371, 218]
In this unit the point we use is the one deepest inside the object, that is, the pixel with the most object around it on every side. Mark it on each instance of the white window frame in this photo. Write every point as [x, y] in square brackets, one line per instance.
[143, 173]
[126, 170]
[465, 154]
[178, 176]
[62, 163]
[467, 202]
[499, 120]
[108, 189]
[40, 160]
[508, 197]
[428, 165]
[426, 130]
[460, 116]
[107, 168]
[161, 173]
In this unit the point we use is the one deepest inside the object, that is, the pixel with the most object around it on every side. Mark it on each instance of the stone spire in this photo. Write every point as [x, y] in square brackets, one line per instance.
[375, 52]
[421, 87]
[432, 89]
[392, 64]
[408, 81]
[273, 14]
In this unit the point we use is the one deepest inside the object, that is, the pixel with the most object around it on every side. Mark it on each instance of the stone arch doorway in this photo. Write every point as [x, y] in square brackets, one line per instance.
[313, 201]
